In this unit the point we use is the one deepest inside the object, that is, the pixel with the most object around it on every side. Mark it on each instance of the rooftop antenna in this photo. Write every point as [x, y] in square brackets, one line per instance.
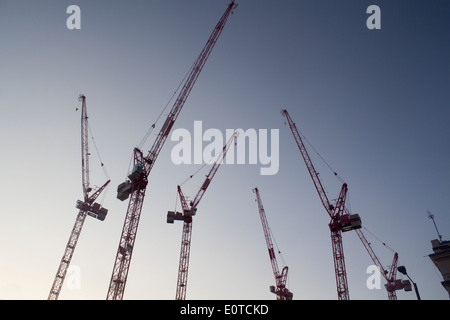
[431, 216]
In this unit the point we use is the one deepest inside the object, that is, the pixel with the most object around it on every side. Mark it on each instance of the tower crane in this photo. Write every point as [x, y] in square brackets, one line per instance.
[341, 219]
[280, 289]
[88, 207]
[393, 284]
[135, 186]
[188, 212]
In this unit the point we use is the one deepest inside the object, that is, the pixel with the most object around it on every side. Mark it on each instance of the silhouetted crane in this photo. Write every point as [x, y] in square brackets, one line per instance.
[137, 181]
[87, 207]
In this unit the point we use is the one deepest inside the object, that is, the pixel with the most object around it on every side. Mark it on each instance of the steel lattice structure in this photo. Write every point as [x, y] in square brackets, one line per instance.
[87, 207]
[279, 289]
[186, 216]
[137, 181]
[390, 276]
[341, 219]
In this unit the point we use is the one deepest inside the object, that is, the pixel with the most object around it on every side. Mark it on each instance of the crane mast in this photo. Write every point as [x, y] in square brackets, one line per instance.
[186, 216]
[341, 220]
[87, 207]
[280, 289]
[137, 181]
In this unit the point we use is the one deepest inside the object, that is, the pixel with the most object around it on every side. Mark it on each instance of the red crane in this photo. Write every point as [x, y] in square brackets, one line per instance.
[136, 183]
[188, 212]
[280, 289]
[393, 284]
[341, 220]
[89, 206]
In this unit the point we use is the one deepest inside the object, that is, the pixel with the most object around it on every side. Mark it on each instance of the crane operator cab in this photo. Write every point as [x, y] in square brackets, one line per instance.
[172, 215]
[124, 189]
[136, 173]
[95, 210]
[349, 222]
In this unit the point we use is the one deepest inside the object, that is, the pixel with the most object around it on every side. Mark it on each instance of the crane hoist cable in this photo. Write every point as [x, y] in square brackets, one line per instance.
[278, 248]
[378, 239]
[150, 130]
[192, 175]
[280, 254]
[102, 165]
[98, 153]
[321, 158]
[204, 165]
[187, 180]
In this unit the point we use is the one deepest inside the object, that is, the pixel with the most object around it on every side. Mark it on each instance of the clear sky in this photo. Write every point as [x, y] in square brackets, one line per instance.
[374, 103]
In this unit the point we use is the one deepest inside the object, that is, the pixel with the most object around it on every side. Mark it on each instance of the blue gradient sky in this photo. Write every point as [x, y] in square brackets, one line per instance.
[374, 103]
